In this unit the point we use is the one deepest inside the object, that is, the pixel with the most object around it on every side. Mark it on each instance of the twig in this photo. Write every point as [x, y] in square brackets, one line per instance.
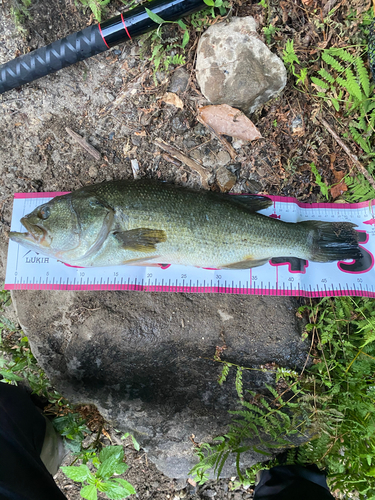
[135, 168]
[354, 159]
[329, 6]
[203, 172]
[84, 144]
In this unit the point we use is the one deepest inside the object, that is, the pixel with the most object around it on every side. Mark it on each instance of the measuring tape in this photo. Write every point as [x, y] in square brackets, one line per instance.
[27, 270]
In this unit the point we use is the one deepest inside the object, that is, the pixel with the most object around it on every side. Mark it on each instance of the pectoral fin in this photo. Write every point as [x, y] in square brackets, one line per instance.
[246, 264]
[141, 239]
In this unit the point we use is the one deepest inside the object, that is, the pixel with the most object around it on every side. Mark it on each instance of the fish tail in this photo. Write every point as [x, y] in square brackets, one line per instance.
[329, 241]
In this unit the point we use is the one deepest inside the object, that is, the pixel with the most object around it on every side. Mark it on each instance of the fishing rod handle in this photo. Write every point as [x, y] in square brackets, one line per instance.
[91, 41]
[51, 58]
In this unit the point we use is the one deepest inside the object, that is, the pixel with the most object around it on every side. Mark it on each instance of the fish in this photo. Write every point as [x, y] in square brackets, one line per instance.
[151, 222]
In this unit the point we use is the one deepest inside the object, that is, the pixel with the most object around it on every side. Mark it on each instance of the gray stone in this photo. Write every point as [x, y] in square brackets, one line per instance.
[179, 80]
[222, 158]
[146, 359]
[234, 67]
[178, 124]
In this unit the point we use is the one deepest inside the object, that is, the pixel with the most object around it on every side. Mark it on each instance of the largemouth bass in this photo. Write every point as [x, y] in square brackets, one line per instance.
[144, 222]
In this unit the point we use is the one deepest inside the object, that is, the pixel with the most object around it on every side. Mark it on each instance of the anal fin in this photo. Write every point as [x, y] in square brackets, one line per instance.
[141, 239]
[246, 264]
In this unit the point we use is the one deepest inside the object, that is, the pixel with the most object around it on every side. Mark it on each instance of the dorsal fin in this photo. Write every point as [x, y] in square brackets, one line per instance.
[252, 202]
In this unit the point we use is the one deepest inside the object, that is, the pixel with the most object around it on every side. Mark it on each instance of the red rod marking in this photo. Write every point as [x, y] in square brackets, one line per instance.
[100, 29]
[126, 29]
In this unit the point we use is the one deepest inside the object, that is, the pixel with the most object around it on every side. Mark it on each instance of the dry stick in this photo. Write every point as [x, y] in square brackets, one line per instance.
[203, 173]
[84, 144]
[354, 159]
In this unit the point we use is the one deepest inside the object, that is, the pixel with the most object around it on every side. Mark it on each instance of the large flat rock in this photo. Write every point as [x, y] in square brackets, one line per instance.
[146, 359]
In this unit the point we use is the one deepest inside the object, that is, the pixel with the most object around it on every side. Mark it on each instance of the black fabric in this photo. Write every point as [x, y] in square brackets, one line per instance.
[23, 475]
[292, 482]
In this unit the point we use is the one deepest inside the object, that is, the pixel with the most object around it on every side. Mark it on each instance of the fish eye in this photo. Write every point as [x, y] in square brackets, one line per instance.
[44, 213]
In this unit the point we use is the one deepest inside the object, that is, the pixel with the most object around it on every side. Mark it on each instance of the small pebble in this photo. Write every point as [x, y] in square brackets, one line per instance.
[93, 171]
[297, 126]
[222, 158]
[237, 496]
[209, 493]
[179, 80]
[178, 126]
[225, 179]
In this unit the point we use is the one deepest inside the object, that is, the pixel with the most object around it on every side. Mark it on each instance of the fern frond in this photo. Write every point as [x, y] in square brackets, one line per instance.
[371, 122]
[224, 374]
[363, 75]
[326, 75]
[239, 385]
[353, 86]
[357, 136]
[331, 61]
[342, 54]
[320, 83]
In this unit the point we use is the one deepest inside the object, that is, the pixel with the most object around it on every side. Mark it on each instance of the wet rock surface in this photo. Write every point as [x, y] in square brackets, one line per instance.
[146, 360]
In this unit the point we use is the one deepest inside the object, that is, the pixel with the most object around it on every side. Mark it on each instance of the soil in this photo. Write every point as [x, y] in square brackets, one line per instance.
[114, 100]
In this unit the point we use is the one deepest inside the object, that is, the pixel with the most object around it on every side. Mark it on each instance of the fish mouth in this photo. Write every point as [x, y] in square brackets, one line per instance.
[36, 234]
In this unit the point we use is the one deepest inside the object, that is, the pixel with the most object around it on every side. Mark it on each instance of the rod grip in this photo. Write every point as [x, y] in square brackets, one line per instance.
[49, 59]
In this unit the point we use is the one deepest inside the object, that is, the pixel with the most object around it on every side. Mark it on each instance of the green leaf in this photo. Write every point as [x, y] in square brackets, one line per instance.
[117, 491]
[110, 451]
[335, 103]
[127, 486]
[135, 443]
[154, 17]
[210, 3]
[89, 492]
[181, 24]
[121, 468]
[78, 473]
[320, 83]
[108, 467]
[10, 376]
[186, 39]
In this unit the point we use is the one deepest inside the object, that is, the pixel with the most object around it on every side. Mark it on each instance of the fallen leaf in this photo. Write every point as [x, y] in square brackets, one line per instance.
[170, 98]
[192, 482]
[224, 119]
[339, 174]
[338, 189]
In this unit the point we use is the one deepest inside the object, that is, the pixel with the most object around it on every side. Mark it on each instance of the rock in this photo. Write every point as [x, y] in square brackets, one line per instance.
[234, 67]
[179, 80]
[178, 124]
[180, 484]
[128, 353]
[225, 179]
[209, 493]
[222, 158]
[93, 171]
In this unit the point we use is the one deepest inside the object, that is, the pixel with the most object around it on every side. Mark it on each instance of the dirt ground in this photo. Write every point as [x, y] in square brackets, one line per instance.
[149, 483]
[114, 101]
